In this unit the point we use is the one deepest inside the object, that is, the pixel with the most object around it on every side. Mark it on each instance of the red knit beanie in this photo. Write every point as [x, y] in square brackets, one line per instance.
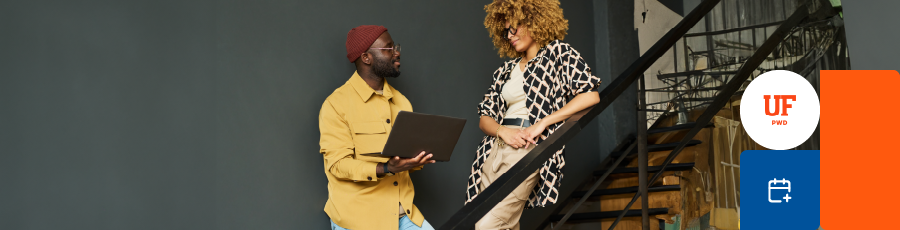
[359, 40]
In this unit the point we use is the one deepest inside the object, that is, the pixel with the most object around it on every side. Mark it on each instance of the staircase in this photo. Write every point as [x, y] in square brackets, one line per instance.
[606, 203]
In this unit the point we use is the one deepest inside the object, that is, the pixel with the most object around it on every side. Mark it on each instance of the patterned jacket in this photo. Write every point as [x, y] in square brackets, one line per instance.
[552, 78]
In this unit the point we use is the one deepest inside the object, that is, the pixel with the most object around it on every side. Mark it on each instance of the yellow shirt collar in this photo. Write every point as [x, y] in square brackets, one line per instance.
[365, 92]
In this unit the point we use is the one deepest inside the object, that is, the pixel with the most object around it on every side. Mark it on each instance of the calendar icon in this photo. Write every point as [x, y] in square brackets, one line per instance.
[782, 184]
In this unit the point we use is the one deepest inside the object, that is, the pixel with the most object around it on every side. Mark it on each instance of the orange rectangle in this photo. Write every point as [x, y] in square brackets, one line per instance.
[857, 157]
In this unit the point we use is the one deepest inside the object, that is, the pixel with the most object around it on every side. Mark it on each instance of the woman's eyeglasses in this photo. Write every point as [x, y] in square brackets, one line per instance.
[509, 31]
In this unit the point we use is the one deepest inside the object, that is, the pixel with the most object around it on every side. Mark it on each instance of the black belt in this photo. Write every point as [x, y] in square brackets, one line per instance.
[517, 122]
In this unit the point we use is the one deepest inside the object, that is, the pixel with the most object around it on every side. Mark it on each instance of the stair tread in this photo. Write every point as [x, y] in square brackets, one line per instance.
[658, 147]
[627, 190]
[695, 72]
[676, 128]
[609, 214]
[671, 167]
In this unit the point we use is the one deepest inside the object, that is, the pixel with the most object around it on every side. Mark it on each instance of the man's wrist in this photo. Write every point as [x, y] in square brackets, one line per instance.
[386, 168]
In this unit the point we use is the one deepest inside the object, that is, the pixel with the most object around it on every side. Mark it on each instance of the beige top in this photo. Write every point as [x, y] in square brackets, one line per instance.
[514, 94]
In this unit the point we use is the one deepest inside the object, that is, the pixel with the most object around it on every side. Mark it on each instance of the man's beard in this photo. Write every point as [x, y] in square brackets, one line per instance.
[385, 69]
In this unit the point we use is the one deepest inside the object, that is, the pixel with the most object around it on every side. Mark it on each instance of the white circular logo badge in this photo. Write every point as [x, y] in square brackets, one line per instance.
[780, 110]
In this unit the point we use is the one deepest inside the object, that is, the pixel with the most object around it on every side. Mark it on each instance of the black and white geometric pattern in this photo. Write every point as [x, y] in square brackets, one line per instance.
[555, 75]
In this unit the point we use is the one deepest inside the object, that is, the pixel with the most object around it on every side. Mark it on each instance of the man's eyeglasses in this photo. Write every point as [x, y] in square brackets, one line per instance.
[509, 31]
[394, 50]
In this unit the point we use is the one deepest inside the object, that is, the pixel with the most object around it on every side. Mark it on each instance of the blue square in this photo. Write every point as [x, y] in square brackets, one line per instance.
[780, 189]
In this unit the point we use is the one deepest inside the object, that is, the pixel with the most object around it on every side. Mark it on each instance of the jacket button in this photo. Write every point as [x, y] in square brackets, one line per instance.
[370, 178]
[388, 121]
[407, 212]
[395, 183]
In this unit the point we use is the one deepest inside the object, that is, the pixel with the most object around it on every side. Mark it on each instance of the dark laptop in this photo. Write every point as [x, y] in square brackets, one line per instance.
[416, 132]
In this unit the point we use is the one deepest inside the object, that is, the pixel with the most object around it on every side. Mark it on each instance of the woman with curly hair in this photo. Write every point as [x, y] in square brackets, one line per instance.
[531, 96]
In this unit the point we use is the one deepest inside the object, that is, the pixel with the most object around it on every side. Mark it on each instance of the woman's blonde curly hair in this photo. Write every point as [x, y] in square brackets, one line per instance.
[543, 18]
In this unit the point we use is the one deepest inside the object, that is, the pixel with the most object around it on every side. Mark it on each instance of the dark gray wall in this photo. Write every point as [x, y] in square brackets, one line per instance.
[623, 50]
[107, 115]
[872, 34]
[203, 114]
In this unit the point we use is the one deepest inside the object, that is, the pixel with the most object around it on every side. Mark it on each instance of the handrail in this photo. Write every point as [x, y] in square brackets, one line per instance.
[732, 30]
[801, 14]
[471, 213]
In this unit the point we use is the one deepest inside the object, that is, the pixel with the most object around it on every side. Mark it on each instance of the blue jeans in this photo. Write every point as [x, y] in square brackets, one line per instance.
[405, 224]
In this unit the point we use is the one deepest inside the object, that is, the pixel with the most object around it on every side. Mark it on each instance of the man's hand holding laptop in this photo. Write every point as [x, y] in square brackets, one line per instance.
[399, 164]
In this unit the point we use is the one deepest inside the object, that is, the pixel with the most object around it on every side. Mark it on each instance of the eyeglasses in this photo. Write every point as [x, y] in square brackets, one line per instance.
[509, 31]
[394, 50]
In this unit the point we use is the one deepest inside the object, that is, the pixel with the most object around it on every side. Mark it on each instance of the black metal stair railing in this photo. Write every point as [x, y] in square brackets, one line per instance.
[811, 9]
[469, 214]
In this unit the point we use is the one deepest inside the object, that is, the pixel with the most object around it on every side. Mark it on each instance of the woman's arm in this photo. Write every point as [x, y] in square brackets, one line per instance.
[488, 125]
[580, 102]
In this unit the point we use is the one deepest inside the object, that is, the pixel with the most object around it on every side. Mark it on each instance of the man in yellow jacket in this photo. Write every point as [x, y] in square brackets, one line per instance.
[368, 191]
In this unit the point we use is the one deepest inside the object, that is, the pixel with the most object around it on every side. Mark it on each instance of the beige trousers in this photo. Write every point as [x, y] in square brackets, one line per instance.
[507, 213]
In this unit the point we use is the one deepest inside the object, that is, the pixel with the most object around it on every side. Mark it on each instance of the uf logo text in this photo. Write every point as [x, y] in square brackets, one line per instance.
[779, 99]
